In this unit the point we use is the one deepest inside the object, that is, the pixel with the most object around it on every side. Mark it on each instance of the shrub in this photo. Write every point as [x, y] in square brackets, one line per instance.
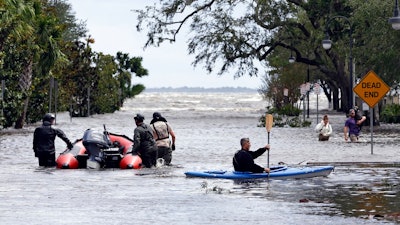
[286, 116]
[391, 114]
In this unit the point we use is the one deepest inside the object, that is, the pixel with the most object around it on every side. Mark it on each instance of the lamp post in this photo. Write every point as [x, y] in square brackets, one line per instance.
[292, 59]
[395, 20]
[308, 92]
[327, 44]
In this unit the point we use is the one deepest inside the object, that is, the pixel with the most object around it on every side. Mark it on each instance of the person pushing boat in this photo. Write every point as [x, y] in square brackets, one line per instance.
[162, 131]
[43, 141]
[144, 143]
[243, 160]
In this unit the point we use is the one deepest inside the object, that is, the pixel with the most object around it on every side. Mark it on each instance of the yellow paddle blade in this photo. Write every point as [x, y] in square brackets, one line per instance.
[269, 120]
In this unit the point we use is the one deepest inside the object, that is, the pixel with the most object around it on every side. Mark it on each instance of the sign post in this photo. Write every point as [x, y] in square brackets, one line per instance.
[371, 89]
[317, 91]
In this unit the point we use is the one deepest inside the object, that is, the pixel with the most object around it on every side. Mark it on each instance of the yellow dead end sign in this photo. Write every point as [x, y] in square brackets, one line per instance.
[371, 88]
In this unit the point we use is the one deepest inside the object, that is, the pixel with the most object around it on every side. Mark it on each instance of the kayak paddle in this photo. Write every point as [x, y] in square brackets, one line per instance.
[268, 125]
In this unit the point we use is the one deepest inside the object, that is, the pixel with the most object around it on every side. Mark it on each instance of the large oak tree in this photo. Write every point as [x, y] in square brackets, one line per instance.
[237, 33]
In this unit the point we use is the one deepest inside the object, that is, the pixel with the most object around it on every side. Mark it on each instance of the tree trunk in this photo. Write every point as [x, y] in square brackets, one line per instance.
[25, 82]
[19, 124]
[335, 97]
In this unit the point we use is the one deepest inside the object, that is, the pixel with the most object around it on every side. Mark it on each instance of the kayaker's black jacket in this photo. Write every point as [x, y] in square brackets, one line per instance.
[143, 139]
[244, 161]
[44, 136]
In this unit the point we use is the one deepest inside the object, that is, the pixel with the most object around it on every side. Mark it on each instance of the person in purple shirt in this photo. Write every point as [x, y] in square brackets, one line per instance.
[352, 126]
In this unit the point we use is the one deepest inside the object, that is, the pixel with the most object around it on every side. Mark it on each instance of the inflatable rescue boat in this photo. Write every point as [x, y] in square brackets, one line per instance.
[100, 150]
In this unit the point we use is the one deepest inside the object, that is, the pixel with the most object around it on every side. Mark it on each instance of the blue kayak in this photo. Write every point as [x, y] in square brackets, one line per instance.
[277, 172]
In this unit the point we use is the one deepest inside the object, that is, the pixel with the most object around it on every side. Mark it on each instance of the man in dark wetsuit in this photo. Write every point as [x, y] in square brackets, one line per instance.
[43, 141]
[144, 144]
[244, 159]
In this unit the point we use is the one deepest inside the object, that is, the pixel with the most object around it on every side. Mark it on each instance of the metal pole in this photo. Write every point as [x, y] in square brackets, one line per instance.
[51, 92]
[3, 87]
[371, 125]
[317, 110]
[55, 99]
[304, 109]
[70, 110]
[351, 68]
[88, 102]
[308, 92]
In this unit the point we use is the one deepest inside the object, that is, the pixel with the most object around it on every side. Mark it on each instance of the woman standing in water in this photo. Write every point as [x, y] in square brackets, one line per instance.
[324, 129]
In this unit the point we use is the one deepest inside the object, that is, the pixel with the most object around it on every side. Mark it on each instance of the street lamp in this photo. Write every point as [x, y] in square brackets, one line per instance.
[292, 59]
[308, 92]
[327, 44]
[395, 20]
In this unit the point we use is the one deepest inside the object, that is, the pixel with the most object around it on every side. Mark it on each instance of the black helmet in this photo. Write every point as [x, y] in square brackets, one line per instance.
[48, 117]
[139, 117]
[156, 115]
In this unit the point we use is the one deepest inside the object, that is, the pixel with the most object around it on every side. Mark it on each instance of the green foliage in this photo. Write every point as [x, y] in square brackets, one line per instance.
[391, 114]
[235, 34]
[285, 76]
[286, 110]
[39, 42]
[306, 123]
[286, 116]
[137, 89]
[102, 87]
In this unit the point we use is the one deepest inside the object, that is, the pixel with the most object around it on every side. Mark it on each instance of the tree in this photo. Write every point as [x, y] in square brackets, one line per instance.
[44, 54]
[98, 82]
[30, 39]
[127, 66]
[115, 81]
[39, 43]
[283, 75]
[237, 33]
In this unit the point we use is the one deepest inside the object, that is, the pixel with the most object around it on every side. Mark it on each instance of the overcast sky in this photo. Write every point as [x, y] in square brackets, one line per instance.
[112, 25]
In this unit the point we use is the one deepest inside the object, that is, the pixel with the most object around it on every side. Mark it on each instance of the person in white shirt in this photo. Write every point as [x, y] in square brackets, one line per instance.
[324, 129]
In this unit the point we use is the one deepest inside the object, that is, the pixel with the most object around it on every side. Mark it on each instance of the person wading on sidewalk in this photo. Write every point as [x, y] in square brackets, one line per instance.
[324, 129]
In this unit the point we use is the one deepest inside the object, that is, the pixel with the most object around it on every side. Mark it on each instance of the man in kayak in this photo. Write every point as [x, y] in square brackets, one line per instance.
[161, 133]
[43, 141]
[143, 142]
[244, 159]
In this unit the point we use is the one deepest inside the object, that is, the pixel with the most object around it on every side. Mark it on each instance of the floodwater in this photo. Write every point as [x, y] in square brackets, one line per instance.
[363, 189]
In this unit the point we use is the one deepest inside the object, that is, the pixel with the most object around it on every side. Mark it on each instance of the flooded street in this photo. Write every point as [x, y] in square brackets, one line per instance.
[363, 189]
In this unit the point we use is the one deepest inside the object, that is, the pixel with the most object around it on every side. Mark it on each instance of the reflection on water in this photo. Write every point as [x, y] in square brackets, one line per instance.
[366, 193]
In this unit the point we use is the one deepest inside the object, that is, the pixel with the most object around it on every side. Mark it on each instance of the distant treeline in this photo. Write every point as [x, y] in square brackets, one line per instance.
[201, 89]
